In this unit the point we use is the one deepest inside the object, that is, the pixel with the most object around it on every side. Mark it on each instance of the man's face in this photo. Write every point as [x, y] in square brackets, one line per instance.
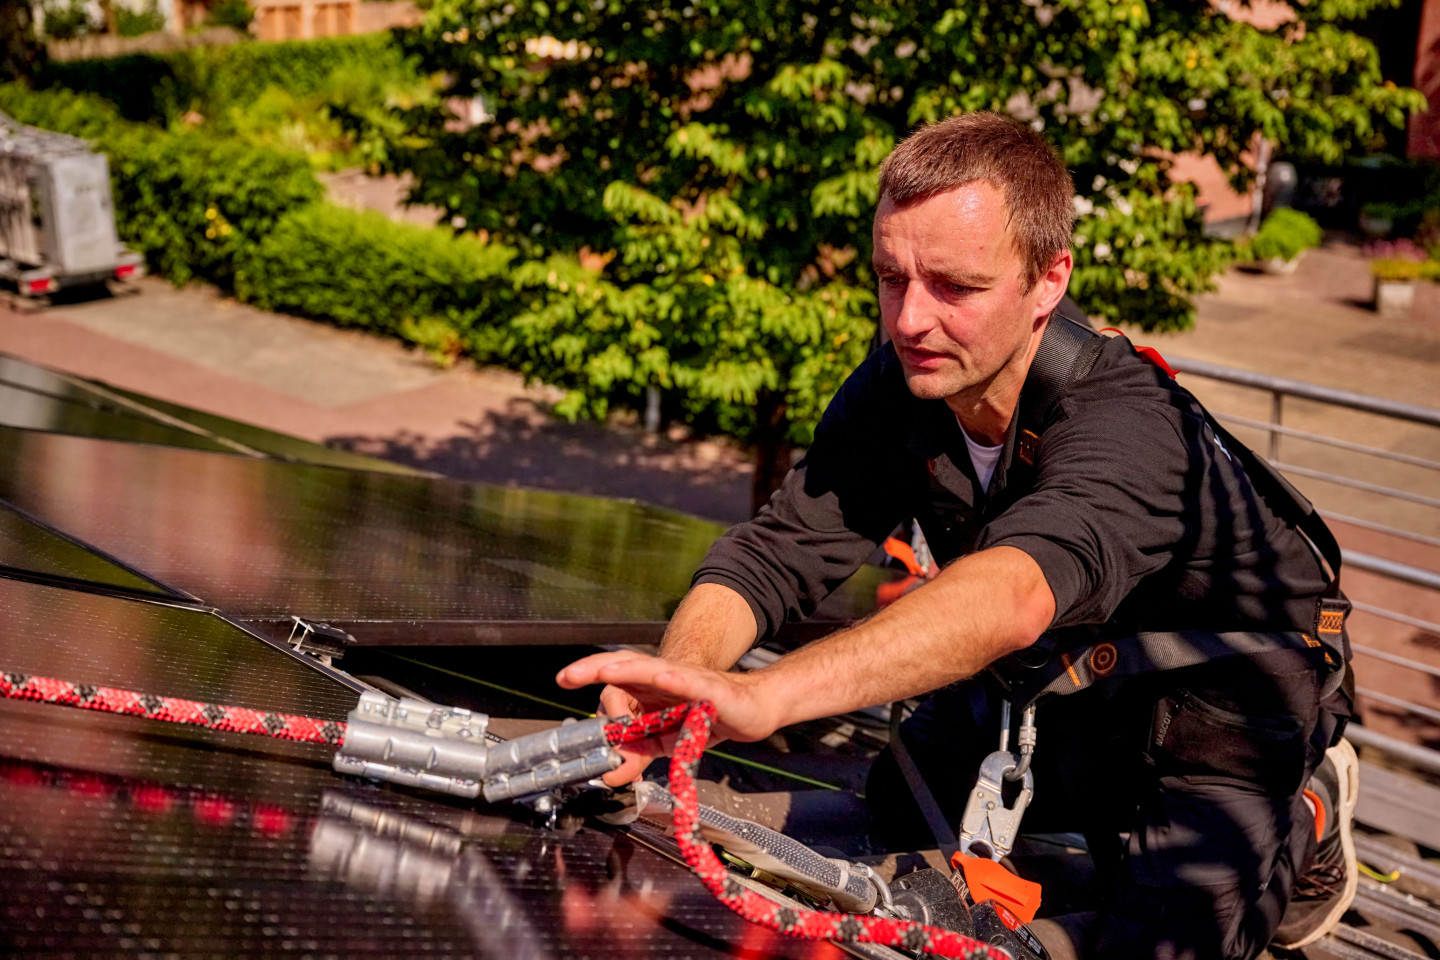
[953, 296]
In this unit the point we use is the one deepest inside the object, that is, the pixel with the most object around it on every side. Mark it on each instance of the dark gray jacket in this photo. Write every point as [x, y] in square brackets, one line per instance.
[1137, 515]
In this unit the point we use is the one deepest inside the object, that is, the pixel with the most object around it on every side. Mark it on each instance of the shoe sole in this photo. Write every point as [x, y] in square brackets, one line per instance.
[1347, 765]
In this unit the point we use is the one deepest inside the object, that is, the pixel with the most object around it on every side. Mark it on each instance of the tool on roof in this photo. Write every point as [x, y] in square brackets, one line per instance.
[421, 744]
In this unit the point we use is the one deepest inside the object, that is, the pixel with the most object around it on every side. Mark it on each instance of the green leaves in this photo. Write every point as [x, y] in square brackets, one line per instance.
[1285, 234]
[724, 156]
[361, 269]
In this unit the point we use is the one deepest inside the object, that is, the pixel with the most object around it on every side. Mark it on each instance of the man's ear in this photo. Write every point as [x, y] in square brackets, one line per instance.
[1051, 285]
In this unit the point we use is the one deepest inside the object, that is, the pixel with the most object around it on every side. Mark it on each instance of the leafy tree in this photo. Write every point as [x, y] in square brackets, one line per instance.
[66, 21]
[21, 52]
[237, 14]
[135, 23]
[626, 135]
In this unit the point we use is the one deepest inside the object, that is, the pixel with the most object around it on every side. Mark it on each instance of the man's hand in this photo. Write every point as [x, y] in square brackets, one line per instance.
[638, 683]
[615, 702]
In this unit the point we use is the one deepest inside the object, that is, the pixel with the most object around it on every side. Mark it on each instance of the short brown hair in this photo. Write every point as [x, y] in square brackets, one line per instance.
[1038, 191]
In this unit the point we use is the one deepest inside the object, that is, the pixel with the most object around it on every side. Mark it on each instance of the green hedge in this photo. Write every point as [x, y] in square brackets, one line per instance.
[361, 269]
[150, 87]
[190, 202]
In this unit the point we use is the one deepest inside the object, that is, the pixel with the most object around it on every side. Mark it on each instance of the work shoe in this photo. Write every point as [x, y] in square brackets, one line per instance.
[1324, 892]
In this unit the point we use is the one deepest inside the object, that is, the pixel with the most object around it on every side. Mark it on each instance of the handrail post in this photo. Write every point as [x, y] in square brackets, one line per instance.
[1277, 405]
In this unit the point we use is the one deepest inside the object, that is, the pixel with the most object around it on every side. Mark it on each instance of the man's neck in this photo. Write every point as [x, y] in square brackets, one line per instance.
[985, 411]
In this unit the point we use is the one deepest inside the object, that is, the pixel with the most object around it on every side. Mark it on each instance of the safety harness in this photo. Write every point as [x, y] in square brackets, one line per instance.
[1067, 353]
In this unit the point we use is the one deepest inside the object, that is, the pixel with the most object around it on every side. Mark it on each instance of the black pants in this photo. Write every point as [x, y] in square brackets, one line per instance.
[1186, 784]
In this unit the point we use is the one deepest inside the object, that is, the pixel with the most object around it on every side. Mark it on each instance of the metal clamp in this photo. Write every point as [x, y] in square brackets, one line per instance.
[988, 828]
[445, 749]
[324, 641]
[886, 900]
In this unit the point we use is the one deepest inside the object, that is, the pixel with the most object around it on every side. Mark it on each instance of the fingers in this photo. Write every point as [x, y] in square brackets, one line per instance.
[637, 757]
[647, 679]
[583, 672]
[650, 677]
[615, 702]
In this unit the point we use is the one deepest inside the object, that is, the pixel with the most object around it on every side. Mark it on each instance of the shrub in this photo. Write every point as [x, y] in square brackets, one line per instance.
[1387, 268]
[71, 113]
[211, 80]
[190, 202]
[360, 269]
[235, 14]
[1284, 235]
[134, 23]
[66, 21]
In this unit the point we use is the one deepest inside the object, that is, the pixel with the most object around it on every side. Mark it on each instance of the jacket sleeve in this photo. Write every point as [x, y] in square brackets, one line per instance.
[829, 514]
[1111, 504]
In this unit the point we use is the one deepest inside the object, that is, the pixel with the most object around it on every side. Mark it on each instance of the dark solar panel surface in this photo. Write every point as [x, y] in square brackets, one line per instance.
[157, 649]
[35, 398]
[261, 538]
[34, 410]
[25, 545]
[261, 440]
[126, 837]
[111, 865]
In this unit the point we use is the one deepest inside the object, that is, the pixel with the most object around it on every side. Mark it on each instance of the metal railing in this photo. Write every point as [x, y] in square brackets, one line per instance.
[1279, 390]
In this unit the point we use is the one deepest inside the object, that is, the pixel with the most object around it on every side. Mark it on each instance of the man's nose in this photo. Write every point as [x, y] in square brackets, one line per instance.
[917, 313]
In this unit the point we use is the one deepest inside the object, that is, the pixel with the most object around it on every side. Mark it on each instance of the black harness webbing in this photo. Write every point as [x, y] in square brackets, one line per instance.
[1067, 353]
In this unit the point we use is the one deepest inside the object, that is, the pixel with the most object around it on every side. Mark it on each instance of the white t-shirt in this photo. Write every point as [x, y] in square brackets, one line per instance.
[982, 458]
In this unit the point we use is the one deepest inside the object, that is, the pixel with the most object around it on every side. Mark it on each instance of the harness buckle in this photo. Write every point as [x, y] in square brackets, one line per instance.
[988, 828]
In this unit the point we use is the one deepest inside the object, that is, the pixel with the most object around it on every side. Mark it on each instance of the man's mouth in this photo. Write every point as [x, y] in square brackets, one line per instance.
[919, 358]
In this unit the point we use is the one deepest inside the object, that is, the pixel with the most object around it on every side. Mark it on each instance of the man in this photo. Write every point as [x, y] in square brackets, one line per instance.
[1097, 538]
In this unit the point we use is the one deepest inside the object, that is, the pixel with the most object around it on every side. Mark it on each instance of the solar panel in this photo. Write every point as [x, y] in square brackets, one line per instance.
[107, 865]
[125, 837]
[26, 546]
[33, 397]
[156, 648]
[396, 555]
[37, 410]
[269, 442]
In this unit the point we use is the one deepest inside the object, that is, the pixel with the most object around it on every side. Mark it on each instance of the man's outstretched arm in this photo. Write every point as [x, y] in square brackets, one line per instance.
[977, 610]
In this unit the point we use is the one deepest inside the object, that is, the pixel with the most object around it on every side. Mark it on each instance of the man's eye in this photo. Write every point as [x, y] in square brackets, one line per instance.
[891, 281]
[959, 288]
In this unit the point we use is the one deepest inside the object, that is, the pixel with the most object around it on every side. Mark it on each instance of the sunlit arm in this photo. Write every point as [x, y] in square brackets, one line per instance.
[977, 610]
[713, 627]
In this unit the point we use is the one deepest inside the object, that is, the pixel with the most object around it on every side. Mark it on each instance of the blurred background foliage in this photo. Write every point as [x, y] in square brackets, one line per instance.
[667, 206]
[337, 100]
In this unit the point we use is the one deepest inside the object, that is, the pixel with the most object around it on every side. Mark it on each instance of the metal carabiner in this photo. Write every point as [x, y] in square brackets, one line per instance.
[988, 828]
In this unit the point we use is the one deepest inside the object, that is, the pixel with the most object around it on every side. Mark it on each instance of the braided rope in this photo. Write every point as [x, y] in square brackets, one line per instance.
[695, 720]
[282, 726]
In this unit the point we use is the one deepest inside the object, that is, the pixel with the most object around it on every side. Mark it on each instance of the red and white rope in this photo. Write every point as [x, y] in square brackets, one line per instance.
[282, 726]
[694, 720]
